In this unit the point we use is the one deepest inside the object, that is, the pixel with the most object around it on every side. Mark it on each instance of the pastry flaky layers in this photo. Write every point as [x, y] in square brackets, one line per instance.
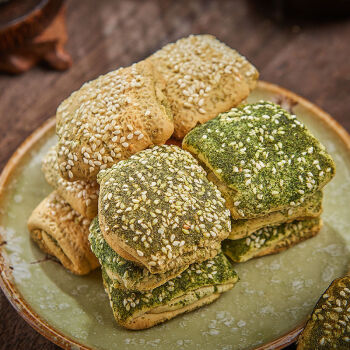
[110, 118]
[159, 210]
[130, 109]
[310, 208]
[198, 285]
[81, 195]
[262, 159]
[271, 239]
[63, 233]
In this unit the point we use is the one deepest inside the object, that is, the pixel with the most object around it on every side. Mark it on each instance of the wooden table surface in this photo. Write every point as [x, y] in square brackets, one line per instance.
[309, 58]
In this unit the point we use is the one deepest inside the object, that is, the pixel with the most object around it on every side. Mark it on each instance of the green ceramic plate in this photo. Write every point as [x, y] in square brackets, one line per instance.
[268, 306]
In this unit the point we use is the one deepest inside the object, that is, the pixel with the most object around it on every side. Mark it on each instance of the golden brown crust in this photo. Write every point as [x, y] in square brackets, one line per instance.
[109, 119]
[204, 78]
[62, 232]
[81, 195]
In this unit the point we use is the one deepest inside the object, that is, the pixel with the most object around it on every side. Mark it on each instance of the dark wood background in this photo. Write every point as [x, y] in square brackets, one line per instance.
[311, 58]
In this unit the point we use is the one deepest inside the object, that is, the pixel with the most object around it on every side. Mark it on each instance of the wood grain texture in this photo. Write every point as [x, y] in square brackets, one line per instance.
[311, 60]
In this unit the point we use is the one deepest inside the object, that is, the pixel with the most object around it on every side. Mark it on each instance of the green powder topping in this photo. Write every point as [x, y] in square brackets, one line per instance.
[130, 275]
[328, 327]
[311, 207]
[160, 203]
[213, 272]
[265, 157]
[243, 249]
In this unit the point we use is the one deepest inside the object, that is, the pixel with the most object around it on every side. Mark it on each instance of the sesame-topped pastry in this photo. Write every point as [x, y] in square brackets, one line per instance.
[311, 208]
[110, 118]
[63, 233]
[199, 285]
[127, 274]
[261, 158]
[271, 239]
[329, 324]
[81, 195]
[203, 78]
[158, 209]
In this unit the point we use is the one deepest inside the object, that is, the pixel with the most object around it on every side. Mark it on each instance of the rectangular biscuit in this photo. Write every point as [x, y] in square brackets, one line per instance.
[158, 209]
[109, 119]
[312, 207]
[262, 159]
[271, 240]
[200, 284]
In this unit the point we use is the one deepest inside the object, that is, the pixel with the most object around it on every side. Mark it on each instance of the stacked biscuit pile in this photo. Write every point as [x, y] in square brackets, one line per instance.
[158, 237]
[246, 183]
[105, 123]
[270, 170]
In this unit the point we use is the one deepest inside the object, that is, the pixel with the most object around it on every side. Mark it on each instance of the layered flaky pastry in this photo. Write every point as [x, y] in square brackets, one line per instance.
[63, 233]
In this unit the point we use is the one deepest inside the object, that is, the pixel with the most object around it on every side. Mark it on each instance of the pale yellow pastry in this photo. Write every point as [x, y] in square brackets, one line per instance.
[110, 118]
[63, 233]
[203, 78]
[81, 195]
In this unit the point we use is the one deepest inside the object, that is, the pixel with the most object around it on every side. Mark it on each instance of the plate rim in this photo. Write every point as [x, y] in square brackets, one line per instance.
[44, 328]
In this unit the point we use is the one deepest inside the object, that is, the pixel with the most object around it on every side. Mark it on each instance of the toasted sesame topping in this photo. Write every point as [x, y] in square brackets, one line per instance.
[64, 212]
[213, 272]
[243, 249]
[329, 324]
[277, 164]
[86, 192]
[197, 69]
[163, 193]
[96, 124]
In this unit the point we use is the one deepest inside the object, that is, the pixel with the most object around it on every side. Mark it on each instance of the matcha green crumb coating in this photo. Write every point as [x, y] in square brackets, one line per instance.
[211, 273]
[264, 158]
[127, 273]
[270, 239]
[159, 206]
[329, 324]
[311, 207]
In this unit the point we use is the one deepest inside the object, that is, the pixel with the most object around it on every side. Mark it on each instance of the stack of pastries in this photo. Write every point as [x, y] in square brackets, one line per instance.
[158, 237]
[270, 170]
[157, 217]
[60, 223]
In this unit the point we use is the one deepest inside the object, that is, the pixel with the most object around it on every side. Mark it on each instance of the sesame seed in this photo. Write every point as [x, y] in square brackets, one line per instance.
[139, 252]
